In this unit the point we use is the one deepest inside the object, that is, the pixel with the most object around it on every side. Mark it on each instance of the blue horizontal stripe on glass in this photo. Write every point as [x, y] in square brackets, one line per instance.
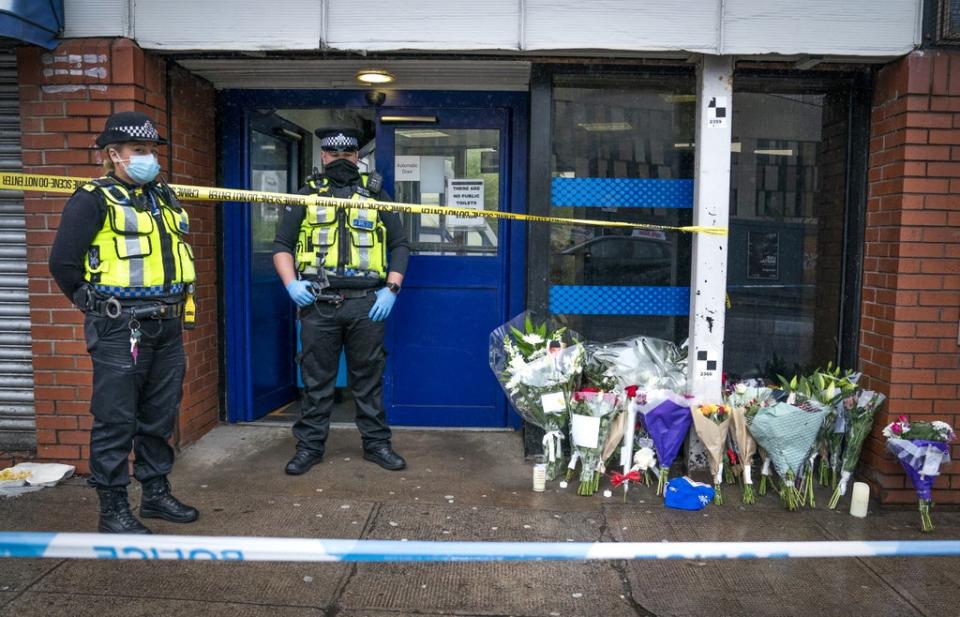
[622, 192]
[619, 300]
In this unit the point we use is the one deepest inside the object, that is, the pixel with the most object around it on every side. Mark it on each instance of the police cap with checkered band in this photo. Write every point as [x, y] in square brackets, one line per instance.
[339, 139]
[127, 126]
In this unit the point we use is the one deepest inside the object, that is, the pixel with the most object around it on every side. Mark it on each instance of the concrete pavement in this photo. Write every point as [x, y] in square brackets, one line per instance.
[459, 486]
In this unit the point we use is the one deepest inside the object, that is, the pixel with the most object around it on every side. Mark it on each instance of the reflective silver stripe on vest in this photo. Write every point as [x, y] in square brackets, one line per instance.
[363, 252]
[323, 236]
[132, 244]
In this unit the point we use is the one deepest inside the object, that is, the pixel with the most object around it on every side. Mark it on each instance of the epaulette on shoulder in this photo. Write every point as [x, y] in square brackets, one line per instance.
[95, 183]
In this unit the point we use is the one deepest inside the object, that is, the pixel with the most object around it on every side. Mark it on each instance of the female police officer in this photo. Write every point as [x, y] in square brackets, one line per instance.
[121, 255]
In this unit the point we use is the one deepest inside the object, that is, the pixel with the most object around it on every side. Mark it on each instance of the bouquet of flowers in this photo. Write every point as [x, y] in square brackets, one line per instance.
[712, 424]
[666, 417]
[632, 471]
[831, 456]
[592, 414]
[745, 401]
[808, 480]
[922, 448]
[860, 411]
[788, 433]
[817, 391]
[537, 366]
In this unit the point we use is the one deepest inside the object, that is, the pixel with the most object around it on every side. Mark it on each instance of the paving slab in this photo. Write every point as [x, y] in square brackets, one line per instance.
[482, 523]
[280, 515]
[74, 605]
[71, 506]
[291, 584]
[17, 575]
[501, 588]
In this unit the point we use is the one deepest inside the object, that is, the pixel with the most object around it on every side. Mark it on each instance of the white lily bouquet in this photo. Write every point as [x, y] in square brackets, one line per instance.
[538, 363]
[590, 421]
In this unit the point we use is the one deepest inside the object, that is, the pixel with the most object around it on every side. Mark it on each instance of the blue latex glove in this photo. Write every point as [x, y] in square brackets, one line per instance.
[384, 304]
[300, 292]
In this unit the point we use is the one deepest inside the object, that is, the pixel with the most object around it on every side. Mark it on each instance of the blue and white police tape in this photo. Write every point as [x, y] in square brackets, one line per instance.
[102, 546]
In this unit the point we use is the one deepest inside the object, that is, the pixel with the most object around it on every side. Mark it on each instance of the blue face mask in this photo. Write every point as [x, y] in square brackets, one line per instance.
[142, 168]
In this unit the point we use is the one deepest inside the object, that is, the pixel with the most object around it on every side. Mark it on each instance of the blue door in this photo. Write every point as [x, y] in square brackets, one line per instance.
[456, 287]
[464, 278]
[272, 163]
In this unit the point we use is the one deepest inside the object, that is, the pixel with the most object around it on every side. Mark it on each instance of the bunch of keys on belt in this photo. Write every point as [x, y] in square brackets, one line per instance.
[134, 339]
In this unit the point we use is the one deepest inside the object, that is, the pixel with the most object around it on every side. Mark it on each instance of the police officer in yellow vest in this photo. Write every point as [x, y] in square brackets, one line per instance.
[122, 256]
[343, 267]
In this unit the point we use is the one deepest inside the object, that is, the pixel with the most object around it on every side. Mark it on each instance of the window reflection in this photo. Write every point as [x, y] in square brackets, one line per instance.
[634, 136]
[786, 229]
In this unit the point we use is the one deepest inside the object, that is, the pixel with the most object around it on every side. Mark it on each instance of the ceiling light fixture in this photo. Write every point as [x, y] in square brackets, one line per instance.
[605, 126]
[421, 133]
[375, 76]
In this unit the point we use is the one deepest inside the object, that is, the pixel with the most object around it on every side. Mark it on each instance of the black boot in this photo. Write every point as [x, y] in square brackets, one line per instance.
[384, 456]
[115, 514]
[302, 461]
[159, 502]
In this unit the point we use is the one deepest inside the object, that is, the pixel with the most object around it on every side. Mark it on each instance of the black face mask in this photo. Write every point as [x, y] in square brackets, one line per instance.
[342, 172]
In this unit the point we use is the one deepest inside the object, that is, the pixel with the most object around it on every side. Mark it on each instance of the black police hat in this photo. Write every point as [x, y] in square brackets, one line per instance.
[126, 126]
[339, 139]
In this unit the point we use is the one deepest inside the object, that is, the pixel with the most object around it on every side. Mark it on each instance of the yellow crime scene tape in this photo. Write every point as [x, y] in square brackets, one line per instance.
[185, 192]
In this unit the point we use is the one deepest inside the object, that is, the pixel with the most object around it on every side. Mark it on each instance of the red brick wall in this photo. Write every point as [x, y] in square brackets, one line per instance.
[911, 286]
[64, 104]
[193, 104]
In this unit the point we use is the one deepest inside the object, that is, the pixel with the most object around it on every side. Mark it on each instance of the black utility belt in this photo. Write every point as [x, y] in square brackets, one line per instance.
[115, 308]
[349, 294]
[338, 296]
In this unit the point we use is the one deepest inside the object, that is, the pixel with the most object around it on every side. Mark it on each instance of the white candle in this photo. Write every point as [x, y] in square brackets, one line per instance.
[540, 477]
[860, 499]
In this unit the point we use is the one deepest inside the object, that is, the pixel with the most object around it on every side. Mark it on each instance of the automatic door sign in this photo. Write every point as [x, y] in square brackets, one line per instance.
[717, 112]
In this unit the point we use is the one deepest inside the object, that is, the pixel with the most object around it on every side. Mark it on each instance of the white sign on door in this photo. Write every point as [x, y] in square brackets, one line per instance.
[467, 194]
[406, 168]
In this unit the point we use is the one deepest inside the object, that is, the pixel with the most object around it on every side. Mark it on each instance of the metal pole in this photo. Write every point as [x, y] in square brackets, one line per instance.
[711, 207]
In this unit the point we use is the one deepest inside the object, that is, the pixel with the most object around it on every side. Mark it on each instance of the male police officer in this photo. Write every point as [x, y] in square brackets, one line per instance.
[333, 262]
[121, 255]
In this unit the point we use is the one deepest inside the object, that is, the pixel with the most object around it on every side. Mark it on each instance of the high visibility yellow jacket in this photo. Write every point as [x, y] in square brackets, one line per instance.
[135, 253]
[348, 241]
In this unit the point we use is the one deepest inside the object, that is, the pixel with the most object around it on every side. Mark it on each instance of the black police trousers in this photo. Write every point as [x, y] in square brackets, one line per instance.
[325, 329]
[134, 405]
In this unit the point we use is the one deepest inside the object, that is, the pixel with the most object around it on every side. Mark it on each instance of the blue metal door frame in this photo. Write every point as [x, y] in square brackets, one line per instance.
[235, 109]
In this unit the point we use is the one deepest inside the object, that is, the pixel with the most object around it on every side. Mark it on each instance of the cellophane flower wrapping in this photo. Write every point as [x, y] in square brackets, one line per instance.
[645, 362]
[788, 434]
[746, 400]
[922, 449]
[666, 417]
[827, 412]
[538, 363]
[592, 415]
[859, 411]
[711, 421]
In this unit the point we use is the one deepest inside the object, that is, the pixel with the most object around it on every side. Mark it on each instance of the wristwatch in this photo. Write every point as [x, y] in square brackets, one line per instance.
[393, 287]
